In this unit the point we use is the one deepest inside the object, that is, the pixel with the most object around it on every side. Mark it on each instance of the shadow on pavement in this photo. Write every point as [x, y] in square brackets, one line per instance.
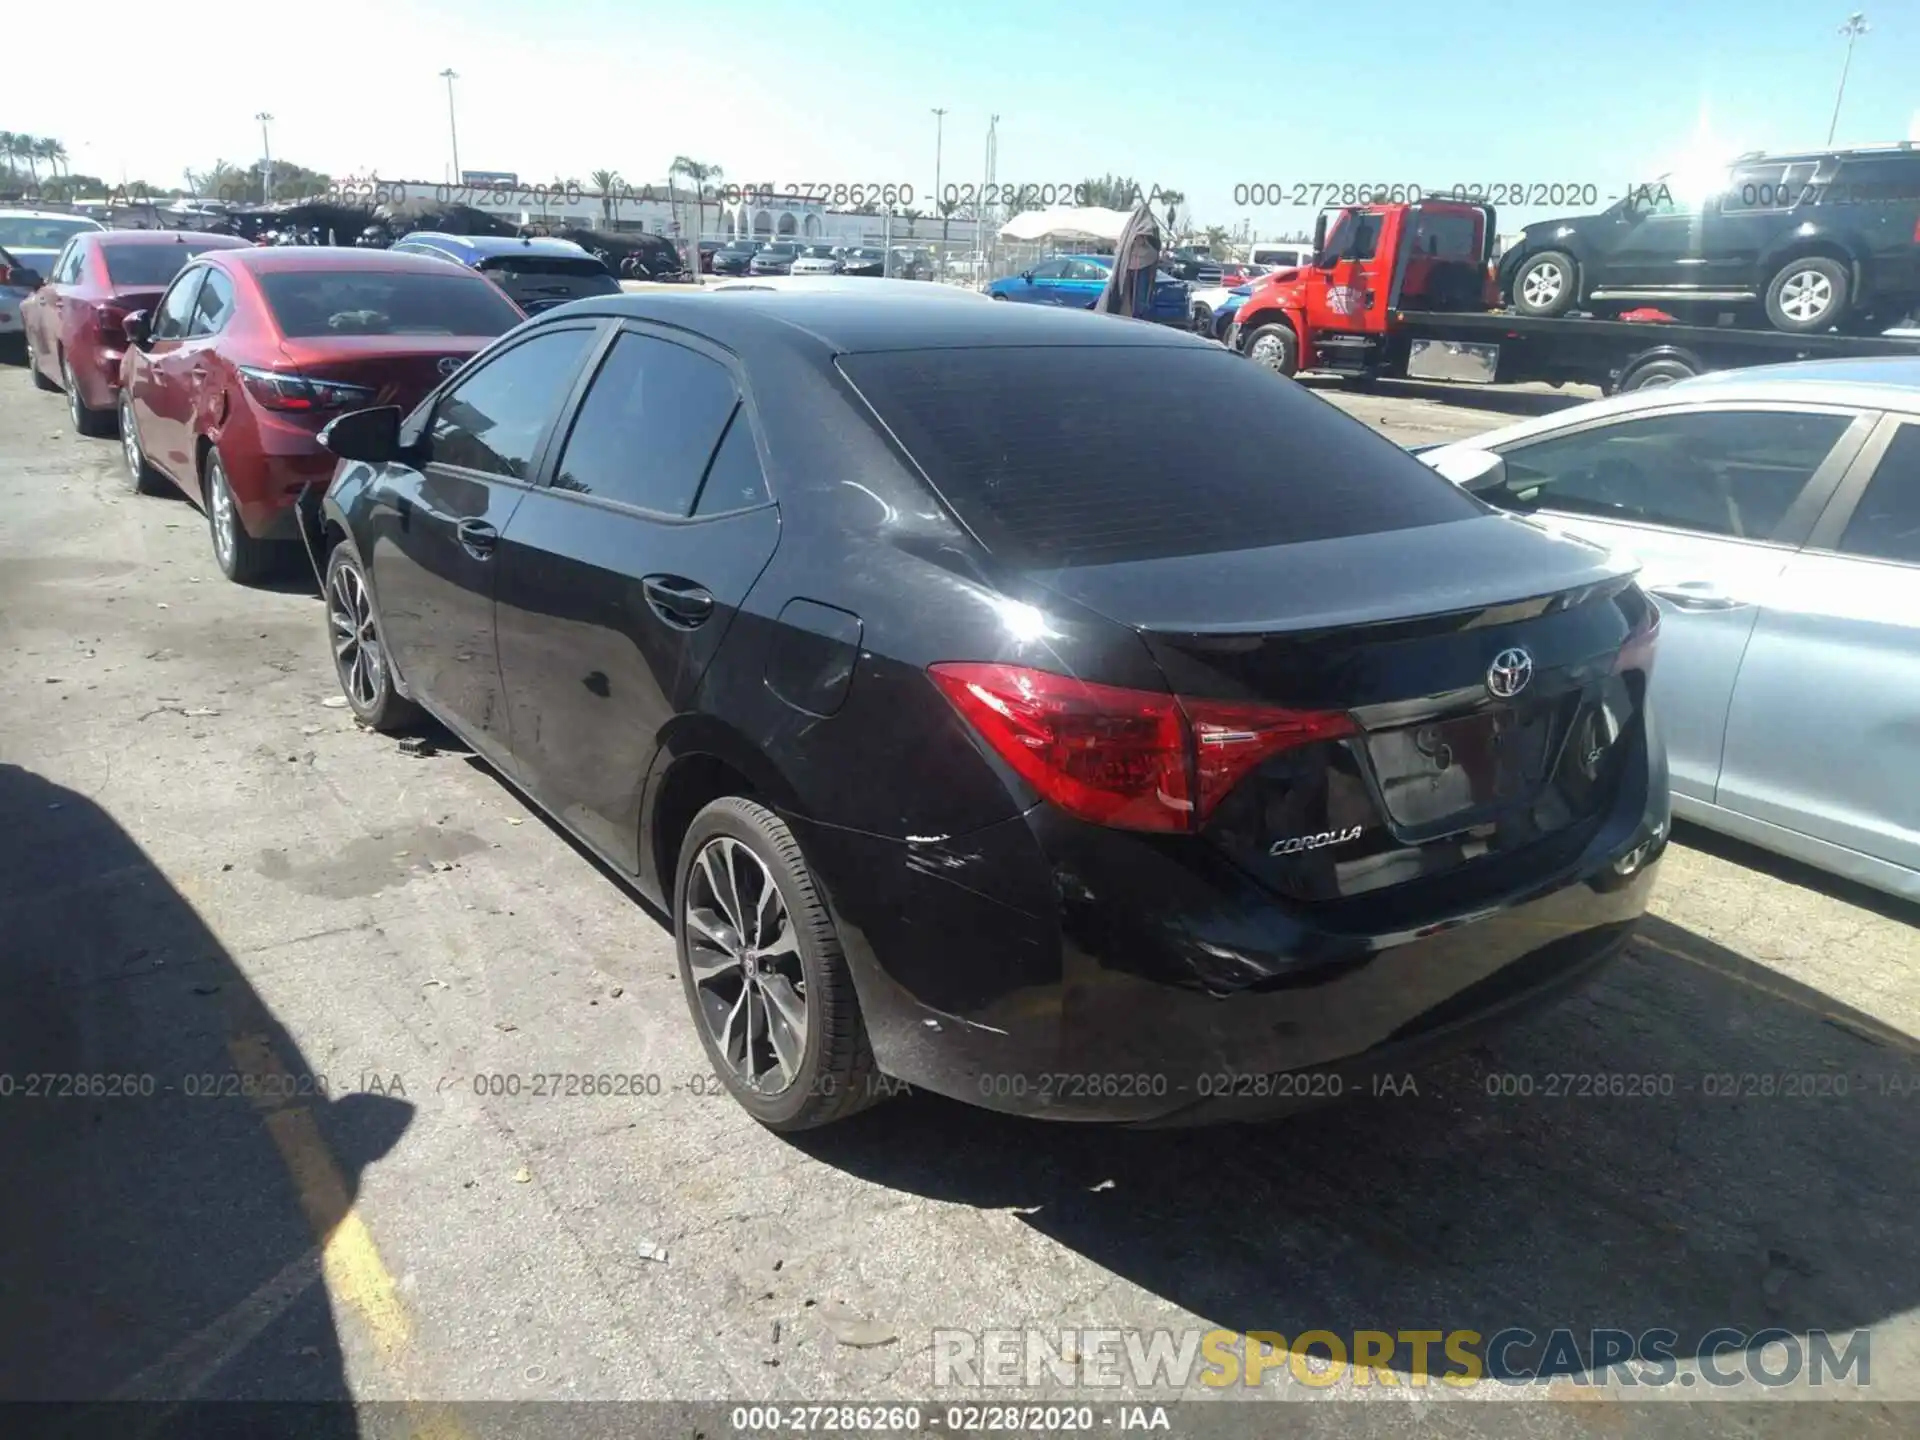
[1500, 1195]
[1469, 397]
[1793, 872]
[154, 1244]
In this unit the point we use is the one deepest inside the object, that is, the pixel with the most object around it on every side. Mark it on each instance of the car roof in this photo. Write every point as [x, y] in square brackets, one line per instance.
[863, 285]
[50, 215]
[272, 259]
[206, 238]
[481, 247]
[1890, 383]
[850, 321]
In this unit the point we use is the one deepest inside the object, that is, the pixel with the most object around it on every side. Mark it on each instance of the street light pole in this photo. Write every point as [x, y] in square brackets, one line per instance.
[266, 151]
[1855, 26]
[939, 128]
[453, 130]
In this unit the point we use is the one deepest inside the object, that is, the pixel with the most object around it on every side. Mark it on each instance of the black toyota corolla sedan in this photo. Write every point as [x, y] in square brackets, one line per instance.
[1049, 711]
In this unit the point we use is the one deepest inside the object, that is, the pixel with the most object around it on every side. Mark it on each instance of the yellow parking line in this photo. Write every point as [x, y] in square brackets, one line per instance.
[350, 1261]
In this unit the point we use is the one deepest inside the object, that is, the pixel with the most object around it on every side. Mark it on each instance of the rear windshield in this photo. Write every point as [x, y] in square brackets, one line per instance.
[510, 267]
[307, 303]
[150, 267]
[39, 232]
[1086, 456]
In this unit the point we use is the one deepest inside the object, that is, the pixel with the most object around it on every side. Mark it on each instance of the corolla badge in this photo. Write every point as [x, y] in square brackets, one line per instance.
[1294, 844]
[1509, 674]
[449, 364]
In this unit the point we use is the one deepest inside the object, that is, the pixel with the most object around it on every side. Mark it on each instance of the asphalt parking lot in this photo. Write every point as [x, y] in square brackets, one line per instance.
[212, 881]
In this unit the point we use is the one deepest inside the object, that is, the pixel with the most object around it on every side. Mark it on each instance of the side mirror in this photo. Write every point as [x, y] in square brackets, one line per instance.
[24, 275]
[139, 328]
[1320, 233]
[1472, 470]
[369, 435]
[1027, 275]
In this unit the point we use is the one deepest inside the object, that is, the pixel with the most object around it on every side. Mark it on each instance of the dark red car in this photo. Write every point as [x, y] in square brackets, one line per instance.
[251, 351]
[1234, 273]
[73, 322]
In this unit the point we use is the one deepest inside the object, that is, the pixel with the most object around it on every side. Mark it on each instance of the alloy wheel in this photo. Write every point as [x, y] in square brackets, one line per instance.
[73, 392]
[220, 507]
[744, 957]
[357, 657]
[1542, 286]
[130, 442]
[1806, 295]
[1269, 351]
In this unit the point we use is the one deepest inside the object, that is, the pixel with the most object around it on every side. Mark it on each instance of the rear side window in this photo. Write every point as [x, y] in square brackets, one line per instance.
[648, 426]
[146, 267]
[1886, 522]
[1881, 180]
[1716, 472]
[310, 303]
[1089, 455]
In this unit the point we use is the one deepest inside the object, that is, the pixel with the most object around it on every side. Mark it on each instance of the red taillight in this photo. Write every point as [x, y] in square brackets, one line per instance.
[1636, 651]
[6, 274]
[109, 321]
[1916, 232]
[290, 390]
[1132, 759]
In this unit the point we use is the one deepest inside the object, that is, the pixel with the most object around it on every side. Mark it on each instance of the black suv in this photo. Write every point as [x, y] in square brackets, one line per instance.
[1824, 239]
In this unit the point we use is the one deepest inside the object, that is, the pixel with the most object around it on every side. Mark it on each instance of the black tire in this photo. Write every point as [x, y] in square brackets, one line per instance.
[1202, 318]
[1546, 284]
[1273, 345]
[353, 619]
[141, 476]
[40, 380]
[999, 295]
[834, 1075]
[94, 424]
[241, 558]
[1807, 295]
[1655, 373]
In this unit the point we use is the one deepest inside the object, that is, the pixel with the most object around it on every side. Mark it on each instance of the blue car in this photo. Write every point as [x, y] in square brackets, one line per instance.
[537, 272]
[1075, 281]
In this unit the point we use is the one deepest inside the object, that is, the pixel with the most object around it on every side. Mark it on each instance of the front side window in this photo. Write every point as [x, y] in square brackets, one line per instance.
[1734, 473]
[176, 306]
[648, 426]
[1886, 522]
[493, 420]
[215, 304]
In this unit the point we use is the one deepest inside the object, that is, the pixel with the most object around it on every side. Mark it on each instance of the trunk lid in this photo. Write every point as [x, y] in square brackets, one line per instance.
[1479, 659]
[400, 369]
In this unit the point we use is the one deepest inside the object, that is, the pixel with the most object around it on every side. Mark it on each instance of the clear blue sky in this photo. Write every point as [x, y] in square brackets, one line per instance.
[1198, 98]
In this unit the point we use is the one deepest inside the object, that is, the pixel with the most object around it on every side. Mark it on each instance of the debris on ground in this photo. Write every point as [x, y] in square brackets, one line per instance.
[851, 1328]
[523, 1175]
[418, 746]
[335, 702]
[647, 1250]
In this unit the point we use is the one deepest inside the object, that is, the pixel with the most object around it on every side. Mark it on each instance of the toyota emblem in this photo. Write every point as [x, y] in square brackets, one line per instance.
[449, 364]
[1509, 673]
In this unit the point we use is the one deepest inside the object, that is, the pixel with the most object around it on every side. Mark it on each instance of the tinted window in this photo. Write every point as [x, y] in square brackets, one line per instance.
[1775, 186]
[176, 306]
[1049, 270]
[1878, 180]
[1724, 472]
[145, 266]
[734, 480]
[1085, 270]
[493, 420]
[1450, 237]
[213, 307]
[1356, 236]
[648, 426]
[307, 303]
[1080, 456]
[1886, 523]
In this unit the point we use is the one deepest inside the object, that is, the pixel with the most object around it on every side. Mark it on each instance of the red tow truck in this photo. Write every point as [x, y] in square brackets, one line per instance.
[1408, 291]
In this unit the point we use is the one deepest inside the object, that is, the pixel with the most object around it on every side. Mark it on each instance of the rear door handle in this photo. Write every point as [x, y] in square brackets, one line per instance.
[1696, 595]
[478, 538]
[676, 601]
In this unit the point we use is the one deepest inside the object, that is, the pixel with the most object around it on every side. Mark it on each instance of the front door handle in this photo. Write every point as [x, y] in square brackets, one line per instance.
[1696, 595]
[478, 538]
[676, 601]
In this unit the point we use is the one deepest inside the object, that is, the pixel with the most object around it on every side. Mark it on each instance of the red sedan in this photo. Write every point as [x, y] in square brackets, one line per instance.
[251, 351]
[73, 322]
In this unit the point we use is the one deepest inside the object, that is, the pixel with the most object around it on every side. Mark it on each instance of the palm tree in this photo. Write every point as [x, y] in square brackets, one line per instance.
[1172, 199]
[700, 175]
[27, 147]
[947, 207]
[9, 143]
[51, 151]
[604, 181]
[1216, 240]
[57, 153]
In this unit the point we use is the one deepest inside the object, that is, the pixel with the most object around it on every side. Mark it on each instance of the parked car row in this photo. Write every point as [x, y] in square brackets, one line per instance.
[804, 257]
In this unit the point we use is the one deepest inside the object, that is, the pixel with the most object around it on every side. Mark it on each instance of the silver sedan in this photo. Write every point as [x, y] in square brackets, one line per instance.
[1776, 516]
